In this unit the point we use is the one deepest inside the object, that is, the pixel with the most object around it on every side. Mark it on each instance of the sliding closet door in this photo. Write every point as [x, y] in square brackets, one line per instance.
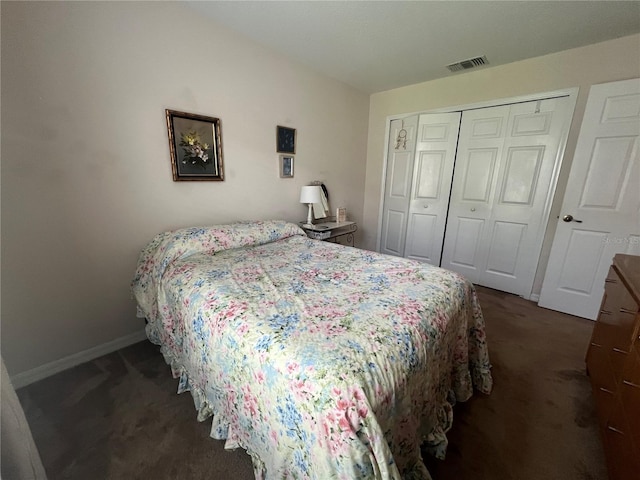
[473, 192]
[432, 172]
[504, 179]
[420, 162]
[397, 188]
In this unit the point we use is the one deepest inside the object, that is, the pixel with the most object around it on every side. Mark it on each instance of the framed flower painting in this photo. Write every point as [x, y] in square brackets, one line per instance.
[195, 144]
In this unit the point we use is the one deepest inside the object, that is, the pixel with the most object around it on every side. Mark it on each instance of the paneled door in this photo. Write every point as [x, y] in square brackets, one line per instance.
[397, 187]
[432, 171]
[506, 169]
[600, 213]
[417, 185]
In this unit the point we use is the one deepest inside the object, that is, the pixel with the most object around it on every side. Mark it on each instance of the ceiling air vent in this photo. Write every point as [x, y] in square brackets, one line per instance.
[470, 63]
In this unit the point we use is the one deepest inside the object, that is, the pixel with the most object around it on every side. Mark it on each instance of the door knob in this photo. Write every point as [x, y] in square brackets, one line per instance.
[569, 218]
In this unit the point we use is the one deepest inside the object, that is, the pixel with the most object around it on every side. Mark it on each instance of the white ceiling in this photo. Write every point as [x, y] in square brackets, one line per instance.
[379, 45]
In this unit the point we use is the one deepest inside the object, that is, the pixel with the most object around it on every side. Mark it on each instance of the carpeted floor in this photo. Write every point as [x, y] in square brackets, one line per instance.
[118, 417]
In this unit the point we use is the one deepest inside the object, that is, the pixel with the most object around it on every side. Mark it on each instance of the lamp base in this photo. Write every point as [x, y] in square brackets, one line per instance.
[307, 225]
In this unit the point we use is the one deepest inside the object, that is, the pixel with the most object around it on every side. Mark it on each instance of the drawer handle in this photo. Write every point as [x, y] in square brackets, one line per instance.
[626, 310]
[602, 389]
[617, 350]
[596, 344]
[631, 384]
[613, 429]
[610, 280]
[605, 312]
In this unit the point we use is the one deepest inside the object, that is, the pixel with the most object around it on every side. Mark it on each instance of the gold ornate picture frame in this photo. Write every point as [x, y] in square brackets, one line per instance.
[195, 145]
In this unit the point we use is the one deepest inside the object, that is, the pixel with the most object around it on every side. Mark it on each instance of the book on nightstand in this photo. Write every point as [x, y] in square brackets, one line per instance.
[341, 214]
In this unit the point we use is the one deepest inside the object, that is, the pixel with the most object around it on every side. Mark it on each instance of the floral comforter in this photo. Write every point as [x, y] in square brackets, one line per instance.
[322, 361]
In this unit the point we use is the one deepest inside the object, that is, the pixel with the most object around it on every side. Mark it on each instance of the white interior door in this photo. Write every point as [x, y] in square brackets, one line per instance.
[397, 188]
[601, 207]
[420, 160]
[432, 171]
[505, 174]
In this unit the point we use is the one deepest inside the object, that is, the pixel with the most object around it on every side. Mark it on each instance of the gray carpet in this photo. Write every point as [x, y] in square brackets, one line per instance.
[118, 417]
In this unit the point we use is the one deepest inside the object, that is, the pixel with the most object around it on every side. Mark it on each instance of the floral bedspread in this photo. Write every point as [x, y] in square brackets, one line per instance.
[322, 361]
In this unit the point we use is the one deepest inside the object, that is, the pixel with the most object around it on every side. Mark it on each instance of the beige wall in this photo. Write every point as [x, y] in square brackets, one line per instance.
[581, 67]
[86, 177]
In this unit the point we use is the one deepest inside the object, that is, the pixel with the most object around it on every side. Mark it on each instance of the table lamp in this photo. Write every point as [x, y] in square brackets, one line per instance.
[310, 194]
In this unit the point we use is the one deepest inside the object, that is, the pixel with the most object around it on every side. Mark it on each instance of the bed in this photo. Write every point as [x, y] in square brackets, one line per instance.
[321, 361]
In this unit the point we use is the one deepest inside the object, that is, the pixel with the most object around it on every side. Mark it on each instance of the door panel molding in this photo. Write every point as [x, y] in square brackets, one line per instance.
[430, 167]
[521, 186]
[504, 248]
[581, 279]
[478, 178]
[393, 239]
[603, 177]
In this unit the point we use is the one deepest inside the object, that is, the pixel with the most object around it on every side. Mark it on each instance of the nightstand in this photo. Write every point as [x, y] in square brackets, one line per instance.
[337, 232]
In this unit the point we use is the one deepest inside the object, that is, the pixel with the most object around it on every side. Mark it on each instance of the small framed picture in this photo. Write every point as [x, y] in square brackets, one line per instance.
[286, 140]
[286, 166]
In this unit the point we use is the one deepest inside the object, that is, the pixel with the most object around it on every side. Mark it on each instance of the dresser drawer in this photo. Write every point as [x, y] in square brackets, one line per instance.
[603, 335]
[631, 369]
[606, 402]
[616, 294]
[622, 459]
[618, 359]
[630, 395]
[599, 367]
[619, 311]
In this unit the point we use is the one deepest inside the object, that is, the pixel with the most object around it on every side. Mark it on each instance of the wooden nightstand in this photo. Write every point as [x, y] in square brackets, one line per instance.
[337, 232]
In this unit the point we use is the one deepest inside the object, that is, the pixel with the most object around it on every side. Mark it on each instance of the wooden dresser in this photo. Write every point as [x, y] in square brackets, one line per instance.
[613, 363]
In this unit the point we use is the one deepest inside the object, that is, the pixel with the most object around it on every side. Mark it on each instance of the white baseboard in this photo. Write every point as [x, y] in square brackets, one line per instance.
[534, 297]
[43, 371]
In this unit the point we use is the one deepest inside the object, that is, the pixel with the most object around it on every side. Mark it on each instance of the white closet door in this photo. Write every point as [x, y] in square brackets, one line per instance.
[600, 213]
[432, 171]
[506, 166]
[397, 189]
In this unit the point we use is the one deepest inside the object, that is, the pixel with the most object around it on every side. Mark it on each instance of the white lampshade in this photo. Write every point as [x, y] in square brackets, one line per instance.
[310, 194]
